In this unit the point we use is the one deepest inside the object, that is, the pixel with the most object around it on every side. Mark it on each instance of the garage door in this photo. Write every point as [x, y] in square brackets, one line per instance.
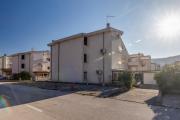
[149, 78]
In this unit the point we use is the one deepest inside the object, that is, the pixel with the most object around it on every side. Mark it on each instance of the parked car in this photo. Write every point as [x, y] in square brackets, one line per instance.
[2, 78]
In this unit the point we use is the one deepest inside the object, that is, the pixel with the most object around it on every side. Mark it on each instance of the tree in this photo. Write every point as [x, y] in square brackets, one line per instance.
[169, 78]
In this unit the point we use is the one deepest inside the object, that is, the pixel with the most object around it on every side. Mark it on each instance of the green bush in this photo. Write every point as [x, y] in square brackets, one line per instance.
[22, 76]
[25, 75]
[168, 79]
[16, 76]
[125, 79]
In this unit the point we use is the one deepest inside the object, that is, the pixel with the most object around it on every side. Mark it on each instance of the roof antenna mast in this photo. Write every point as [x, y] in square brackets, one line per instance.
[107, 20]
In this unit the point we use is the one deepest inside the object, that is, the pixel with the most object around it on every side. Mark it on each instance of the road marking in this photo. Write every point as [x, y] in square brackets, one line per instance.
[34, 108]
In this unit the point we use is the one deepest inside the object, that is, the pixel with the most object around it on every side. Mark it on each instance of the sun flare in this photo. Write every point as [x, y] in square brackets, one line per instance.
[169, 26]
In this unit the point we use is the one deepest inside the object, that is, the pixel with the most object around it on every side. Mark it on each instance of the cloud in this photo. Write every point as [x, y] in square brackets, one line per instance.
[138, 41]
[130, 44]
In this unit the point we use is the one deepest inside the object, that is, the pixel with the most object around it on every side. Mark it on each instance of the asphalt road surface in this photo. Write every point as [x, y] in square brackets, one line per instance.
[28, 103]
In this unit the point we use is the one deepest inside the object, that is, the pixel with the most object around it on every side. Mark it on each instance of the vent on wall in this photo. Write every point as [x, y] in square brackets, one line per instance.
[103, 51]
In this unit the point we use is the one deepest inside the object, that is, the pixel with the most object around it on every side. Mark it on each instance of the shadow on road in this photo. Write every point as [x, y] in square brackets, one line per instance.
[17, 93]
[12, 94]
[161, 112]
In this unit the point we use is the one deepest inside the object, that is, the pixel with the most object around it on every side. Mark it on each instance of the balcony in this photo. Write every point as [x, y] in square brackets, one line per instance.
[134, 63]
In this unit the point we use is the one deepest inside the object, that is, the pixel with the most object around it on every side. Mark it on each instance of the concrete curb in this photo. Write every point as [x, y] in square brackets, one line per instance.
[111, 92]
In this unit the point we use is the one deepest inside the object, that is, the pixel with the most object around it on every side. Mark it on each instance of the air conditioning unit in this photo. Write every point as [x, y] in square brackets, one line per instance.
[99, 72]
[103, 51]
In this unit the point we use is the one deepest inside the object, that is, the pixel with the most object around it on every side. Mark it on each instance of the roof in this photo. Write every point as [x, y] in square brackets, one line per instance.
[139, 55]
[5, 56]
[84, 34]
[29, 52]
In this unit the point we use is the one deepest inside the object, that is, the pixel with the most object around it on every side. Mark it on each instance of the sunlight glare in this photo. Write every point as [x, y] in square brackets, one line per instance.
[169, 26]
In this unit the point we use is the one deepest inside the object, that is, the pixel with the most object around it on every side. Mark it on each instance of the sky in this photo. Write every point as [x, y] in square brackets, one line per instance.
[151, 27]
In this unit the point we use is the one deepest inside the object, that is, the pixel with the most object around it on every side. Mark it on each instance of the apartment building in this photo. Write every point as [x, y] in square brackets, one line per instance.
[139, 62]
[177, 63]
[37, 63]
[155, 67]
[88, 57]
[5, 66]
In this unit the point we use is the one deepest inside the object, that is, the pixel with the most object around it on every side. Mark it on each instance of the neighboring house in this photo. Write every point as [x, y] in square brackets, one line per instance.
[37, 63]
[139, 63]
[177, 63]
[155, 67]
[88, 57]
[5, 66]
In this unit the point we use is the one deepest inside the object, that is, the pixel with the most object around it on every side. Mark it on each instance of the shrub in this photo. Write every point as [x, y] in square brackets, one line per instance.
[168, 79]
[125, 79]
[16, 76]
[23, 76]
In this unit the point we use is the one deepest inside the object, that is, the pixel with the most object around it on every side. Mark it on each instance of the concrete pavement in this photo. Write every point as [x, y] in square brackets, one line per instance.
[56, 105]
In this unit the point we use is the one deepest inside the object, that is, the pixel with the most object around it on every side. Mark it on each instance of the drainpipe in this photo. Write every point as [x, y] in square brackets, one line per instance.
[29, 63]
[58, 60]
[51, 63]
[103, 61]
[3, 65]
[18, 64]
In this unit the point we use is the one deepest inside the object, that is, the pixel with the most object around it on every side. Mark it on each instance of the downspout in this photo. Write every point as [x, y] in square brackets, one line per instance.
[29, 62]
[2, 65]
[103, 61]
[18, 64]
[51, 63]
[83, 68]
[58, 60]
[30, 65]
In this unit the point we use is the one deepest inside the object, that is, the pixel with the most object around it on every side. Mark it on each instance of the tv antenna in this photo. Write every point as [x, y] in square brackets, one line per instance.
[108, 17]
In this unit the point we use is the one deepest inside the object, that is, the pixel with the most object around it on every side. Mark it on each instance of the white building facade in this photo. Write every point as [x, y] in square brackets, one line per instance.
[88, 57]
[5, 66]
[37, 63]
[139, 63]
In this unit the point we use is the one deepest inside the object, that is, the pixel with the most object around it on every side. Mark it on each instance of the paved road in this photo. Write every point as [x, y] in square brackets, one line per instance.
[29, 103]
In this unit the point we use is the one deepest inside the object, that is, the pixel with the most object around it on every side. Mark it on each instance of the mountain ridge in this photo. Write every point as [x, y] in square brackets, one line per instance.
[166, 60]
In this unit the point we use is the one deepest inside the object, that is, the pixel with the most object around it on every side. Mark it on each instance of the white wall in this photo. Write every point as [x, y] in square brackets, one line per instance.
[54, 62]
[15, 64]
[108, 58]
[71, 60]
[119, 53]
[94, 57]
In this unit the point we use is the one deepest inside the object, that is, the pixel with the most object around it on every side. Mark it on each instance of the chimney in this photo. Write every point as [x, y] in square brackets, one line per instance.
[108, 25]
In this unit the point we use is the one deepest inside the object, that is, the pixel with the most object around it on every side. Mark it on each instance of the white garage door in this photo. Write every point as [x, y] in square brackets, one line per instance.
[149, 78]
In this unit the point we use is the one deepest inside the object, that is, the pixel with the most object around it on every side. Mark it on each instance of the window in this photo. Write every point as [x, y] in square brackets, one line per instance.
[22, 57]
[85, 58]
[48, 59]
[48, 68]
[22, 66]
[85, 76]
[85, 41]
